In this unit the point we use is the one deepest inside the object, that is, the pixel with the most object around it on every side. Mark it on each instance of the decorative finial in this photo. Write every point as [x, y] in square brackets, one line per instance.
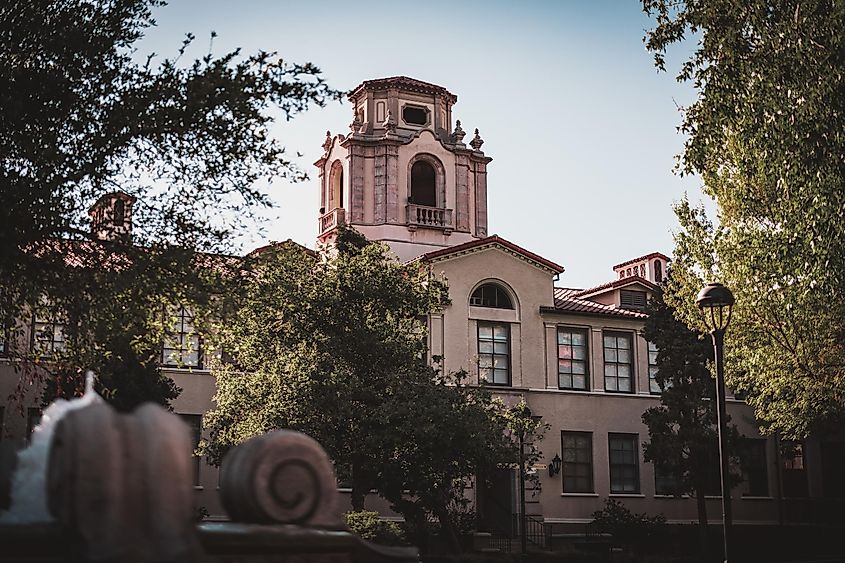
[389, 123]
[477, 141]
[459, 134]
[356, 122]
[327, 144]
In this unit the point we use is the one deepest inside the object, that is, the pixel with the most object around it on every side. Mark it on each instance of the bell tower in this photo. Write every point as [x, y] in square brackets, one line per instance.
[403, 174]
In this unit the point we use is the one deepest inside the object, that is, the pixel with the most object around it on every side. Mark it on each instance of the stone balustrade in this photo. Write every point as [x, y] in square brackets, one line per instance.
[333, 219]
[429, 217]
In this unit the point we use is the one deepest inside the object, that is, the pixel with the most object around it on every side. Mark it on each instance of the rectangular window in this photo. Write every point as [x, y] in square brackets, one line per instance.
[624, 463]
[632, 299]
[181, 343]
[572, 357]
[4, 339]
[494, 353]
[653, 387]
[618, 362]
[665, 481]
[48, 331]
[753, 464]
[794, 470]
[194, 421]
[577, 466]
[833, 469]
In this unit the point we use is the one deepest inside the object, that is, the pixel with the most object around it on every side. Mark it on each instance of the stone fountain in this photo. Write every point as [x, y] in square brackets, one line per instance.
[96, 485]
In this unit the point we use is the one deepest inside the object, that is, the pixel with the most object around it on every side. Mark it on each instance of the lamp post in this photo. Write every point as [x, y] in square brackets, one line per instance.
[716, 303]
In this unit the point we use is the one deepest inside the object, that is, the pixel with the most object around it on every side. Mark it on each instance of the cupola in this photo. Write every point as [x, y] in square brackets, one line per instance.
[403, 174]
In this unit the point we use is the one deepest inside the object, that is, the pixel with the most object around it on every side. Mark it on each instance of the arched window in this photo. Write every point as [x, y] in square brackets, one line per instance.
[491, 295]
[119, 213]
[423, 184]
[336, 186]
[658, 271]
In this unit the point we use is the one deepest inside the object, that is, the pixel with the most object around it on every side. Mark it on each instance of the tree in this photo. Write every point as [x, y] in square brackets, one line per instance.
[82, 117]
[683, 442]
[335, 347]
[766, 137]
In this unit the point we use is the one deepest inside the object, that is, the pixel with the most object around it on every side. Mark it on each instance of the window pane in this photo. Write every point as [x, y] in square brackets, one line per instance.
[578, 338]
[564, 337]
[485, 331]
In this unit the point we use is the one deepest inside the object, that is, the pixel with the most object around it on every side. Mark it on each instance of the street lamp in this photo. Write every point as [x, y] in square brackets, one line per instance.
[716, 303]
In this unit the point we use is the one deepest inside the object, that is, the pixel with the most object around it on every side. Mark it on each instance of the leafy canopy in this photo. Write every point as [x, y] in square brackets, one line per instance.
[335, 346]
[683, 442]
[84, 115]
[766, 136]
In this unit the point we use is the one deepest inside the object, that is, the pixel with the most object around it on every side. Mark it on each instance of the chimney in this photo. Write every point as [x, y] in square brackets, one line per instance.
[111, 216]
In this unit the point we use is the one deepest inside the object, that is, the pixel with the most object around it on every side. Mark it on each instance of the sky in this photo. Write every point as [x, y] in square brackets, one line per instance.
[581, 127]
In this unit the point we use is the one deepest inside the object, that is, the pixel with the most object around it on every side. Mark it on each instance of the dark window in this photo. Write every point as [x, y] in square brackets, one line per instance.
[630, 299]
[624, 464]
[577, 467]
[753, 464]
[494, 353]
[48, 331]
[653, 386]
[665, 480]
[794, 470]
[572, 358]
[4, 339]
[182, 343]
[618, 362]
[491, 295]
[833, 469]
[712, 471]
[415, 115]
[119, 212]
[2, 420]
[194, 421]
[423, 184]
[658, 271]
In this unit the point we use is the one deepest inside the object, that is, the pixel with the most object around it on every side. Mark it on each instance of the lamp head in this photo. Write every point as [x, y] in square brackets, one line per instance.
[716, 303]
[554, 466]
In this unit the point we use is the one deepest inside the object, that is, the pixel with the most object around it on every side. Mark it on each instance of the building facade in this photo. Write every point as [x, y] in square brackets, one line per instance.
[405, 176]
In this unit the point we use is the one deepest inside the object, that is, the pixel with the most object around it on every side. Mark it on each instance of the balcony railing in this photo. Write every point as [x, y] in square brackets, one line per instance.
[429, 217]
[334, 218]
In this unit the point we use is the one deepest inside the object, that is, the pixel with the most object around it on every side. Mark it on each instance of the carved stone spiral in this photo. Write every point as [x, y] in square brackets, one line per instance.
[283, 477]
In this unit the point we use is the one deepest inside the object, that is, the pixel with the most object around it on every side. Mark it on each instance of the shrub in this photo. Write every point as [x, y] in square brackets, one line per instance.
[367, 525]
[627, 528]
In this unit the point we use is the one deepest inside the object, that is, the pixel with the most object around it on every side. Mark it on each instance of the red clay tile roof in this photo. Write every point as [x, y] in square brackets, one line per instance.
[492, 241]
[567, 300]
[646, 257]
[616, 284]
[404, 83]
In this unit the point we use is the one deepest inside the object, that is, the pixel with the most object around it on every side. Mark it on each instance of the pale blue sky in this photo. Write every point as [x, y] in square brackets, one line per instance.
[581, 127]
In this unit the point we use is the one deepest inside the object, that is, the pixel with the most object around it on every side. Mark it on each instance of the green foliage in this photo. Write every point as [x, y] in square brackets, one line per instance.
[367, 525]
[766, 136]
[335, 348]
[528, 430]
[682, 429]
[626, 527]
[189, 138]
